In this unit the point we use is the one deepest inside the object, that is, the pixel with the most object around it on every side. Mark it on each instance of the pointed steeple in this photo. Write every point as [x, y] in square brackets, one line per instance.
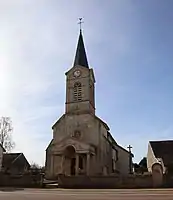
[80, 57]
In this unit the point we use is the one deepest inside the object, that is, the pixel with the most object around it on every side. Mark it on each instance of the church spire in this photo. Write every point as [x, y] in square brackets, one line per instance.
[80, 57]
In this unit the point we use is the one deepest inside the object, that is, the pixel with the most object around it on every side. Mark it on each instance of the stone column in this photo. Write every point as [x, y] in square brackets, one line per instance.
[88, 164]
[62, 164]
[52, 164]
[77, 165]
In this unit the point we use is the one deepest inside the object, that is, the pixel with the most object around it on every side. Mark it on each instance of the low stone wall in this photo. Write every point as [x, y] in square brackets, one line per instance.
[137, 181]
[168, 181]
[114, 181]
[131, 181]
[27, 180]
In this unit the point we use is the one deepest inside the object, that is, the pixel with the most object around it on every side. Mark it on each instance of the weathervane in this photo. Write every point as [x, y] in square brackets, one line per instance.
[80, 23]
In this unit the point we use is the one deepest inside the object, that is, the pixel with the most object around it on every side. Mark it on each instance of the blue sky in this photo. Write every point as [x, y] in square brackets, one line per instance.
[129, 45]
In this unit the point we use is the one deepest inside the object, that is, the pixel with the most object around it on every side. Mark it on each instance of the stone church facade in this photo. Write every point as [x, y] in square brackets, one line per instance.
[82, 142]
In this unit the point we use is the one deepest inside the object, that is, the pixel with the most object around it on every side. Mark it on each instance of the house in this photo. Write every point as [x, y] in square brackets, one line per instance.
[2, 150]
[15, 163]
[160, 152]
[160, 159]
[82, 142]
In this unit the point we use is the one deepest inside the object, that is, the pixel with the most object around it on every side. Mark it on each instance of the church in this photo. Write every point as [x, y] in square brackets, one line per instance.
[82, 143]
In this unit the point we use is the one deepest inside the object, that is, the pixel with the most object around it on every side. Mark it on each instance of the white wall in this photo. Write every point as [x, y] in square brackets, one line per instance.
[151, 159]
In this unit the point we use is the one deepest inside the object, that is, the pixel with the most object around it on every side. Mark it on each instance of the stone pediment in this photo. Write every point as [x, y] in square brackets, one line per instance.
[80, 147]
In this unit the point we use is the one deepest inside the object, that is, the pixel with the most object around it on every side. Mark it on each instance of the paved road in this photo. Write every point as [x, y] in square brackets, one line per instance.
[66, 194]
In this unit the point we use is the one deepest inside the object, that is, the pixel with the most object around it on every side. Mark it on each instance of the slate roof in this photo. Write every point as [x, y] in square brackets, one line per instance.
[163, 149]
[80, 57]
[10, 158]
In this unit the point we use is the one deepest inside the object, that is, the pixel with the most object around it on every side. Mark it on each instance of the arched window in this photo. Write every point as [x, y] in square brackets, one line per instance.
[77, 91]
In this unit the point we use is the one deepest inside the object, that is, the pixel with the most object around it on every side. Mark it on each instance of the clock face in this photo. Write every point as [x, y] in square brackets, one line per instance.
[77, 73]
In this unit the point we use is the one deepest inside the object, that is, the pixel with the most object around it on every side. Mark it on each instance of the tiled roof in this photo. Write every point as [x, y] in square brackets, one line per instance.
[163, 149]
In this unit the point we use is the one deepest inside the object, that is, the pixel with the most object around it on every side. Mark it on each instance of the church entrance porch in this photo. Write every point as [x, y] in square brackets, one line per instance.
[74, 163]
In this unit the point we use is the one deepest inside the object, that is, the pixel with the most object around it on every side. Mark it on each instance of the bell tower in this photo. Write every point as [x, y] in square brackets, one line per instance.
[80, 83]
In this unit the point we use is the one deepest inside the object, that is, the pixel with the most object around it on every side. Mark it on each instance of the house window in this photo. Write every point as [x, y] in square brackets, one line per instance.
[77, 91]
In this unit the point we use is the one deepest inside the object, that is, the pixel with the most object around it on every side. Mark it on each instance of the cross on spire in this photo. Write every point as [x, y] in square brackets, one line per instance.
[80, 57]
[129, 147]
[80, 23]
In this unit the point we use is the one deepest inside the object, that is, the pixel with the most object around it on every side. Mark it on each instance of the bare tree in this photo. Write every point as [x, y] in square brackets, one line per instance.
[6, 133]
[35, 166]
